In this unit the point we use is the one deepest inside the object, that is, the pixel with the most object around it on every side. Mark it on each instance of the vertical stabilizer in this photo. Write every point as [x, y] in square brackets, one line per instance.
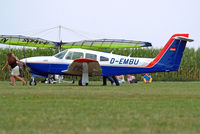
[170, 56]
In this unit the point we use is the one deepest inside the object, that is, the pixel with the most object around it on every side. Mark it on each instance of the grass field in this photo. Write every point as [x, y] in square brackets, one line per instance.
[157, 108]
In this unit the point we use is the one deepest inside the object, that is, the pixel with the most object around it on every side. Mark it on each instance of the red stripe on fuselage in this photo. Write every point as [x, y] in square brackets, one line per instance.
[166, 47]
[85, 60]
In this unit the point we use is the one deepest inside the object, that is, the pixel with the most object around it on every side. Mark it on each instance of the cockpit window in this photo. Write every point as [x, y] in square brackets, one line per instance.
[77, 55]
[91, 56]
[69, 56]
[61, 54]
[102, 58]
[74, 55]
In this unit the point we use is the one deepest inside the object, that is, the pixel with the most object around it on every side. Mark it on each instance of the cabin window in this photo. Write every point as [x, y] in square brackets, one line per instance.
[91, 56]
[61, 54]
[102, 58]
[69, 56]
[77, 55]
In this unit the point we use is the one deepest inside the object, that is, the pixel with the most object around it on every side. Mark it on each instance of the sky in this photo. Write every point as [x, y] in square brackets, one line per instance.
[154, 21]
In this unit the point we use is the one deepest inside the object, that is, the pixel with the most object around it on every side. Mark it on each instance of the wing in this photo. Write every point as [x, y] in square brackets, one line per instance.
[106, 43]
[25, 41]
[76, 67]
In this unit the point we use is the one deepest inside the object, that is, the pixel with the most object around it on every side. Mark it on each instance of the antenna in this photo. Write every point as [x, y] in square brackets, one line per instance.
[59, 32]
[59, 37]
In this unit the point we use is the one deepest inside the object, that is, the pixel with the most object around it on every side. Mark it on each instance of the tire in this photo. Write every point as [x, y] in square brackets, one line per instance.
[80, 83]
[32, 83]
[50, 81]
[73, 81]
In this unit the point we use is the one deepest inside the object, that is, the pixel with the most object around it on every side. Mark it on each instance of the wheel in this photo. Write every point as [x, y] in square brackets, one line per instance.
[80, 83]
[32, 83]
[73, 81]
[50, 81]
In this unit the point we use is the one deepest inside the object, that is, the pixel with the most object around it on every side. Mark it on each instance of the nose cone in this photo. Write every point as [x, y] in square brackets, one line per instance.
[38, 59]
[24, 60]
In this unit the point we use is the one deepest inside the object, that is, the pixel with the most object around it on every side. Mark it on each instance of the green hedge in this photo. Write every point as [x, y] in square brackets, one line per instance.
[189, 68]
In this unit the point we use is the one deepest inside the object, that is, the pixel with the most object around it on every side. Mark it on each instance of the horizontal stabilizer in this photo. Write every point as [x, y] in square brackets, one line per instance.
[183, 38]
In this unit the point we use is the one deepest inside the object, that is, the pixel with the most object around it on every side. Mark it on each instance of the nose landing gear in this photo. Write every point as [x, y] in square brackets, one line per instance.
[32, 82]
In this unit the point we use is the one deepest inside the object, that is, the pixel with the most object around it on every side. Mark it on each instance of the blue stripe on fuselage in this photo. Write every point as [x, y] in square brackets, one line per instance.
[46, 68]
[116, 70]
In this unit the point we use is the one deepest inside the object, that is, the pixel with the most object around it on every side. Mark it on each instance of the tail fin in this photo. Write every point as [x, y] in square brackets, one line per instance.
[171, 55]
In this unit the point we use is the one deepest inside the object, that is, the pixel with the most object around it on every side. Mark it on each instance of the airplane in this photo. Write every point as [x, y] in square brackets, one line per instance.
[85, 63]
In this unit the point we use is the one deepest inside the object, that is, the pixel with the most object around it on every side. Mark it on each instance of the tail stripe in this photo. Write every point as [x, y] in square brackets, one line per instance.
[166, 47]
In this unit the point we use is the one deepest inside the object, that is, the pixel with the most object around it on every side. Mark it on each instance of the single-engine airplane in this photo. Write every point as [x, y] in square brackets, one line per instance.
[85, 63]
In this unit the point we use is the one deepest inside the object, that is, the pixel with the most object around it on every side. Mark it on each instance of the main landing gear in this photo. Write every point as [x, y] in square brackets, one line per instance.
[84, 79]
[80, 83]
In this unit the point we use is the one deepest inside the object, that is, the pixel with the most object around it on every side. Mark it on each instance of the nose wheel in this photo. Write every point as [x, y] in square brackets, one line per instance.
[32, 82]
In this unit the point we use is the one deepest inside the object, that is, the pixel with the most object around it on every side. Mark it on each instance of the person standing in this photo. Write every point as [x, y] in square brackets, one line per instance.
[112, 79]
[12, 62]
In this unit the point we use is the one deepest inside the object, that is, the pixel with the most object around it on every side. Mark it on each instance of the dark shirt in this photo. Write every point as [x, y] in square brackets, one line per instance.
[14, 64]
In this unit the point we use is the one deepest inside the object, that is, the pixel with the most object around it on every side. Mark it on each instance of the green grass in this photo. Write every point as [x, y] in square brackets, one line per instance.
[157, 108]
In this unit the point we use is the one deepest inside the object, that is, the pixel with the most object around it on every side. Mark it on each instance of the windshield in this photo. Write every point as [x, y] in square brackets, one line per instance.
[61, 54]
